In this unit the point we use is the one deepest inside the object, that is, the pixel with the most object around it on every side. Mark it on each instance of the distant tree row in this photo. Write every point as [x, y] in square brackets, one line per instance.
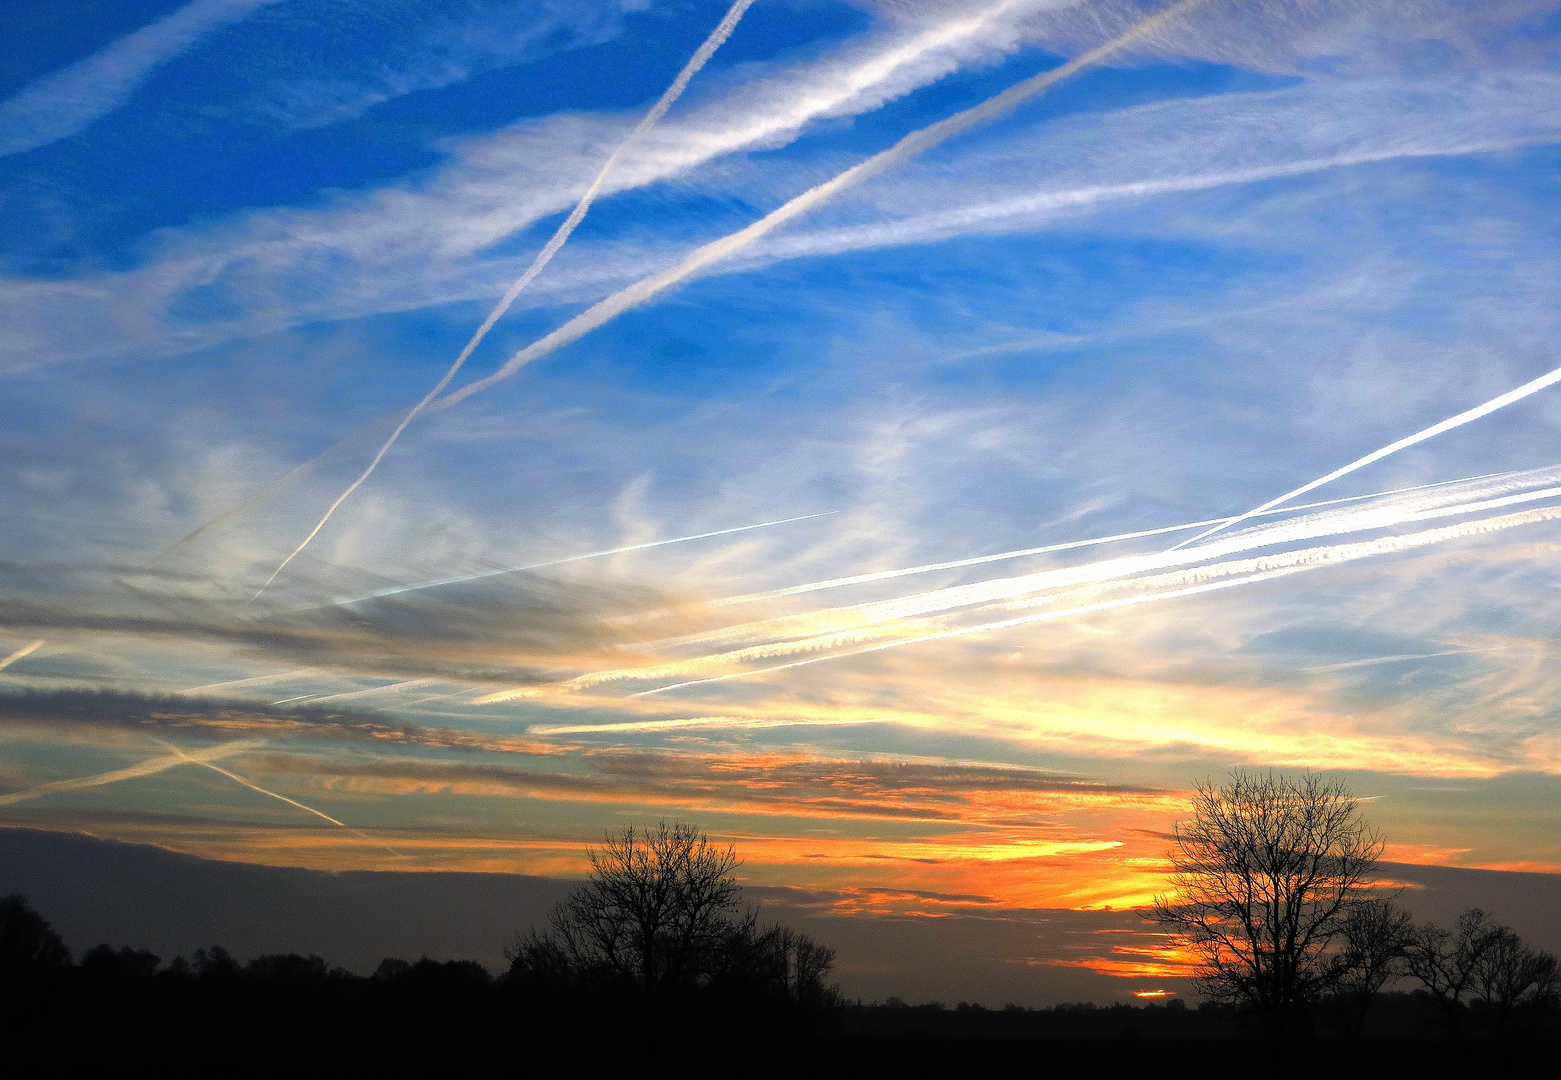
[1275, 893]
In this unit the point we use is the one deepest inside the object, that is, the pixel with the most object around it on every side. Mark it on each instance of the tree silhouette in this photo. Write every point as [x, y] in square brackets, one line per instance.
[107, 962]
[659, 919]
[1447, 961]
[1266, 877]
[1513, 981]
[28, 945]
[1376, 935]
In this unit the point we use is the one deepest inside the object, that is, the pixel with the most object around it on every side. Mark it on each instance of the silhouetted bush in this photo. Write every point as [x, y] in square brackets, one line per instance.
[124, 964]
[28, 946]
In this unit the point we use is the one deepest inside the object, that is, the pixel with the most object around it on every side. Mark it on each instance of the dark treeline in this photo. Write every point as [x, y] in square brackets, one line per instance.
[655, 956]
[1399, 1016]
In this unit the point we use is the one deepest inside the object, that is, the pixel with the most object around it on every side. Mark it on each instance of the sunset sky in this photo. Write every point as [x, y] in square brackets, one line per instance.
[785, 537]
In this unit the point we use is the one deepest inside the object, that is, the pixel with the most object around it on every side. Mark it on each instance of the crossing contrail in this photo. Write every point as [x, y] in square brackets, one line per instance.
[877, 620]
[719, 35]
[859, 620]
[150, 767]
[237, 779]
[1499, 402]
[26, 650]
[1266, 568]
[567, 559]
[917, 142]
[871, 76]
[955, 564]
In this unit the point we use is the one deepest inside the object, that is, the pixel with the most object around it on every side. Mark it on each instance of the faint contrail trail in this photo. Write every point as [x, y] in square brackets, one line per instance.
[877, 620]
[1265, 568]
[278, 485]
[1372, 661]
[694, 722]
[408, 684]
[26, 650]
[911, 145]
[236, 778]
[246, 682]
[722, 31]
[1499, 402]
[145, 768]
[566, 559]
[955, 564]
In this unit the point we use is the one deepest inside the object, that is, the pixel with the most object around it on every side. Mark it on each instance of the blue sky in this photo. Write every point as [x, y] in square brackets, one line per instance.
[1238, 253]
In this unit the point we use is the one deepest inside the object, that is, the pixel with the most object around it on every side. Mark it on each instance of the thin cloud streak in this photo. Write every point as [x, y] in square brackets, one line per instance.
[67, 101]
[722, 31]
[652, 726]
[481, 574]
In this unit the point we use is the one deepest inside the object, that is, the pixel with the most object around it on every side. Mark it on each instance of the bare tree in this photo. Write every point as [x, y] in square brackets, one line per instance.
[1375, 937]
[780, 964]
[659, 918]
[1265, 878]
[1447, 961]
[1514, 981]
[656, 907]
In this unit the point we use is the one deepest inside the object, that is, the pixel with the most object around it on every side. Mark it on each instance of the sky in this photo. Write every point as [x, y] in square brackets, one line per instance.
[840, 486]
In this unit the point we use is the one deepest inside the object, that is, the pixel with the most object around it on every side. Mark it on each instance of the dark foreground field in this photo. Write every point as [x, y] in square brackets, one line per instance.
[296, 1015]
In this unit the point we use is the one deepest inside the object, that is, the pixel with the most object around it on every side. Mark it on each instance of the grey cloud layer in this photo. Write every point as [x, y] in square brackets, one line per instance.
[62, 710]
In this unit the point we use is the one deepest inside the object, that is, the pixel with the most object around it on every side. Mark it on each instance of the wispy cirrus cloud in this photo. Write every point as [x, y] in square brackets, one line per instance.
[1071, 168]
[67, 101]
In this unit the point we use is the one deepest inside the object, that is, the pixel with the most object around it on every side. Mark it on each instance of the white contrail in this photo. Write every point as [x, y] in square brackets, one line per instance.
[910, 146]
[237, 779]
[719, 35]
[874, 75]
[955, 564]
[26, 650]
[1372, 661]
[862, 619]
[407, 685]
[1266, 568]
[145, 768]
[253, 680]
[694, 722]
[1397, 512]
[879, 619]
[1499, 402]
[567, 559]
[868, 621]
